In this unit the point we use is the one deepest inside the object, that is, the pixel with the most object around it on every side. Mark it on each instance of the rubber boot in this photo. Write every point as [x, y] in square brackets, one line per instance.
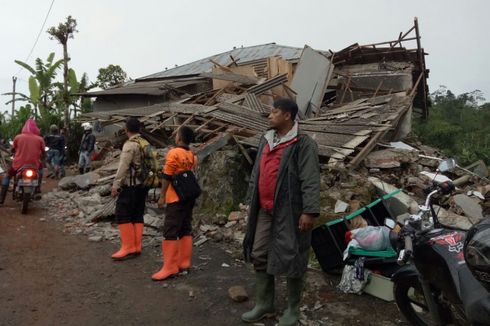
[3, 193]
[185, 253]
[127, 250]
[291, 315]
[170, 252]
[138, 236]
[264, 299]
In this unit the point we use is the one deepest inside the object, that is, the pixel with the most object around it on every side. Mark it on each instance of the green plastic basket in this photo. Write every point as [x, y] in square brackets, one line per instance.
[389, 253]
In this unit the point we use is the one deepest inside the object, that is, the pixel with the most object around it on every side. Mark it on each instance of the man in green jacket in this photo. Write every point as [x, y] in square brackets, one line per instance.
[284, 199]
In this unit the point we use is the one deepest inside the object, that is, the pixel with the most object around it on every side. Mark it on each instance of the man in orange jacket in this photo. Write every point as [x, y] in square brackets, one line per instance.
[177, 229]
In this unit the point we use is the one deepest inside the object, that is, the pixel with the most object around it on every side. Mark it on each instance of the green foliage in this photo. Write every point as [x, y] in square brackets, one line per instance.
[112, 75]
[64, 31]
[10, 128]
[458, 125]
[41, 86]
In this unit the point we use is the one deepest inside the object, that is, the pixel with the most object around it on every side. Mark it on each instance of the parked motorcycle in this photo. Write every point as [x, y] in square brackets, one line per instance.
[435, 285]
[26, 181]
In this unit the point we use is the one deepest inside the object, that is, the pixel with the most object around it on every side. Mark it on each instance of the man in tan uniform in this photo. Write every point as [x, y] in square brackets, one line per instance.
[130, 193]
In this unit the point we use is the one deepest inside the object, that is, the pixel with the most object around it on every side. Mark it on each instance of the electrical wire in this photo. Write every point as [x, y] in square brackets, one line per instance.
[37, 38]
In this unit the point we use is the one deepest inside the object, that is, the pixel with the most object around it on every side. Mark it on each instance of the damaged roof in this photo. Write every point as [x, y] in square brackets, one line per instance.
[152, 88]
[240, 55]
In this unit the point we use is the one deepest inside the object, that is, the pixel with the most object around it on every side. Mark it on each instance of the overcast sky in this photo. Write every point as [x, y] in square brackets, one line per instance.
[144, 37]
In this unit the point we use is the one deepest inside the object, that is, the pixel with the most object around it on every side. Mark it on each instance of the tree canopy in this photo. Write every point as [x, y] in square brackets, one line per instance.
[458, 125]
[112, 75]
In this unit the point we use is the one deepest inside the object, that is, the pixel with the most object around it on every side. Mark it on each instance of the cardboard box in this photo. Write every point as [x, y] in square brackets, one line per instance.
[380, 287]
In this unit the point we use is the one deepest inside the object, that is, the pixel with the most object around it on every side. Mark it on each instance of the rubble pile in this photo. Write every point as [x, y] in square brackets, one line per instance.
[356, 103]
[348, 100]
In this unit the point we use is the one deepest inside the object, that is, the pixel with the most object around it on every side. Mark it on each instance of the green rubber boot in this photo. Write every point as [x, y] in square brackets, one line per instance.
[291, 315]
[264, 299]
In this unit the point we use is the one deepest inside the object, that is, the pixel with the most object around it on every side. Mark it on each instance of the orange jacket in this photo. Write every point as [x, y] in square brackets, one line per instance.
[178, 160]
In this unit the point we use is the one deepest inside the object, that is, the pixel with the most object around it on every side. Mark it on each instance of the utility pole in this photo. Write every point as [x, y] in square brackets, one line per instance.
[14, 80]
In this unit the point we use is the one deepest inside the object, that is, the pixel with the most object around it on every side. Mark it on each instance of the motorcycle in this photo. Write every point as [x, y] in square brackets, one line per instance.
[434, 286]
[26, 181]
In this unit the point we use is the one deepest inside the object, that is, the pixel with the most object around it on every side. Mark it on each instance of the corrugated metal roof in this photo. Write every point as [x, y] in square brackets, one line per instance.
[155, 88]
[243, 54]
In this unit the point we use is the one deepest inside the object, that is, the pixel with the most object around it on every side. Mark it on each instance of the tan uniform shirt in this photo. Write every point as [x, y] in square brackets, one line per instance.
[130, 155]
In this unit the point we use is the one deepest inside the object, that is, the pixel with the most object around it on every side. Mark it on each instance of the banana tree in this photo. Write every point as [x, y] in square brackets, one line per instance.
[40, 83]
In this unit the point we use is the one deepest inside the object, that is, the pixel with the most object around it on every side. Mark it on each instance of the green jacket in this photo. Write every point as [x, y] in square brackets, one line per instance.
[297, 192]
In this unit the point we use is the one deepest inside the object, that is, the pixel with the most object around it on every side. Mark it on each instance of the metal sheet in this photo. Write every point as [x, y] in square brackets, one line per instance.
[241, 55]
[310, 79]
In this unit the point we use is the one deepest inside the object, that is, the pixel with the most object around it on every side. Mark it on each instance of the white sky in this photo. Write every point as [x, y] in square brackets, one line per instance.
[146, 36]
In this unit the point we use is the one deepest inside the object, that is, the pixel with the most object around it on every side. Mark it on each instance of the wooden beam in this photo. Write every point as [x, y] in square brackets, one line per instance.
[181, 125]
[243, 150]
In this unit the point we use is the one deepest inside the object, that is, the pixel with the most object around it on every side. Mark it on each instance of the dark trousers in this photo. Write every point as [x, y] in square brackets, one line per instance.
[178, 220]
[130, 205]
[262, 240]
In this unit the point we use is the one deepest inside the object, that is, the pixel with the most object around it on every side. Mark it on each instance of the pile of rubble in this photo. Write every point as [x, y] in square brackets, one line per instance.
[348, 100]
[356, 103]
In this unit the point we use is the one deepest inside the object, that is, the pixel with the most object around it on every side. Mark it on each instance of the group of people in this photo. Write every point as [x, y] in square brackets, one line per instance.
[283, 197]
[30, 149]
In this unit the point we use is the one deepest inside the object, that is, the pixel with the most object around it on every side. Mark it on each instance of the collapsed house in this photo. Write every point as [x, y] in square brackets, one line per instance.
[348, 100]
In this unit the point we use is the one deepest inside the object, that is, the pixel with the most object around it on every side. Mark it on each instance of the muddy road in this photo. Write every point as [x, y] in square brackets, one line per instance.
[48, 277]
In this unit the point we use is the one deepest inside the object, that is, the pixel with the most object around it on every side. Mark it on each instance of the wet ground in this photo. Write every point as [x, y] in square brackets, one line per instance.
[48, 277]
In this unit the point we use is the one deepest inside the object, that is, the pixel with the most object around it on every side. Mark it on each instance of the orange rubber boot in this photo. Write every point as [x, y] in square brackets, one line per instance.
[170, 252]
[127, 250]
[185, 252]
[138, 236]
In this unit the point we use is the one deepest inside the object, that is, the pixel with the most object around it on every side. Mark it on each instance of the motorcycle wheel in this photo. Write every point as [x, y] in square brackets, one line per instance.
[410, 299]
[26, 197]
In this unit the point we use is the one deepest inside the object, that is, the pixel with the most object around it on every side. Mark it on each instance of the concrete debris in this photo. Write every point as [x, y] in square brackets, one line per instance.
[452, 219]
[238, 293]
[401, 202]
[390, 158]
[95, 238]
[340, 206]
[469, 206]
[476, 194]
[200, 241]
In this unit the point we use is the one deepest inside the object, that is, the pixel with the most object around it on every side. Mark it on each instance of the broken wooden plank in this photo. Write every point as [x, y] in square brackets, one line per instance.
[243, 150]
[269, 84]
[229, 76]
[215, 144]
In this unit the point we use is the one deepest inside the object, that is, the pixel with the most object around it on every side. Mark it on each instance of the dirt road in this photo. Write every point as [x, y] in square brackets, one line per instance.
[48, 277]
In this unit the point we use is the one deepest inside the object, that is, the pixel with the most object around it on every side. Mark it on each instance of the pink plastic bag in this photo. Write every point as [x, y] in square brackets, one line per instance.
[372, 237]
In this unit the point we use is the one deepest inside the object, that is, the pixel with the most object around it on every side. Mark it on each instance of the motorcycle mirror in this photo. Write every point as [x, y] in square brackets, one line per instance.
[447, 165]
[390, 223]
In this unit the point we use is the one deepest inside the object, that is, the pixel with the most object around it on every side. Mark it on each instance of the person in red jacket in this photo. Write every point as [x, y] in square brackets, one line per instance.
[28, 149]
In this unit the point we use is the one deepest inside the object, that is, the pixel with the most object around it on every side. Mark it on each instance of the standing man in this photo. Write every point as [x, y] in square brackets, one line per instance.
[177, 228]
[56, 144]
[284, 199]
[130, 193]
[87, 147]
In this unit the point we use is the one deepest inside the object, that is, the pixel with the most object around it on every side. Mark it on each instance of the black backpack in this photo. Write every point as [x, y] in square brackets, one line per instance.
[186, 185]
